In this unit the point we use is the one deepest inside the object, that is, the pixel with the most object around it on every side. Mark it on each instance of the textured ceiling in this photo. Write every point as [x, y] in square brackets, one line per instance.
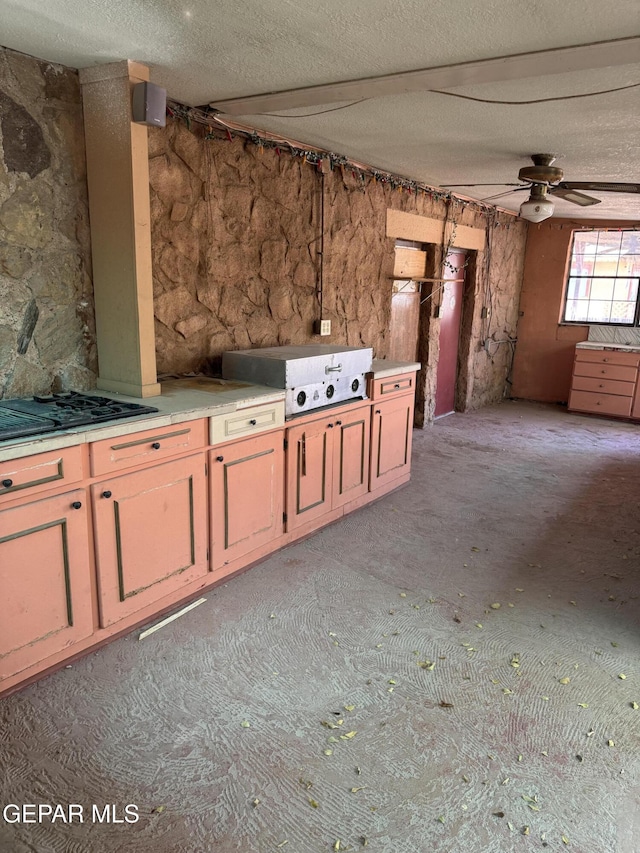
[204, 51]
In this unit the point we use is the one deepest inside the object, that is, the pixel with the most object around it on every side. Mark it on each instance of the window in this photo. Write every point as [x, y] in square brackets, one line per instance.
[602, 285]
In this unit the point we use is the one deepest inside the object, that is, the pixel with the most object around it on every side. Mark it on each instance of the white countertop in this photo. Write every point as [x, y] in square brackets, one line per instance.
[382, 367]
[600, 345]
[179, 402]
[182, 400]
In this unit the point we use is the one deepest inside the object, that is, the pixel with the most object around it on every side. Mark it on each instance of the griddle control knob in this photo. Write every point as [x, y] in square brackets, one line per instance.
[330, 391]
[301, 399]
[355, 385]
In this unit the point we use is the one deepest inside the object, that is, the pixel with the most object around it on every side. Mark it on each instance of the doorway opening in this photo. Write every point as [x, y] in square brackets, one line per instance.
[450, 315]
[409, 270]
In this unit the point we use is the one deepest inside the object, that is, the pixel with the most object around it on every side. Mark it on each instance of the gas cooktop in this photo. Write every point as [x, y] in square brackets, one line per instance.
[54, 412]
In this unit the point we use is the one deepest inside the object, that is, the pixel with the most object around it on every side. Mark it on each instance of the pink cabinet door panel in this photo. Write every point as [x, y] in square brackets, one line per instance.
[309, 472]
[246, 496]
[45, 578]
[151, 535]
[391, 440]
[351, 456]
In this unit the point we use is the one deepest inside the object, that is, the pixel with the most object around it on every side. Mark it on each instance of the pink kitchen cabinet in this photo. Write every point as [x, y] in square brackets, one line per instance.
[45, 578]
[327, 464]
[150, 530]
[246, 489]
[391, 435]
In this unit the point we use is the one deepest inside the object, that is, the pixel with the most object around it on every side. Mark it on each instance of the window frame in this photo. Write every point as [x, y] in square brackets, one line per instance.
[635, 323]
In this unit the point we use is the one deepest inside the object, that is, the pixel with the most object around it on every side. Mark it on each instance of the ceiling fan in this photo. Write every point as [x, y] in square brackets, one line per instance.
[543, 179]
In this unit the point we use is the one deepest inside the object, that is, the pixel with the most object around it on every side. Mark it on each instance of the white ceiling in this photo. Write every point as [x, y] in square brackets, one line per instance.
[203, 51]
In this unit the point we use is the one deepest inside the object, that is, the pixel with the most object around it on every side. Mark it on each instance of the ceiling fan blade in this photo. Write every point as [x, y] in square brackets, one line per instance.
[601, 186]
[574, 196]
[507, 192]
[494, 184]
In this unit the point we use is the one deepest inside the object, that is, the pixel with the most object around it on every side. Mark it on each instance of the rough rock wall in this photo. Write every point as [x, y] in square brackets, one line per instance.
[47, 338]
[236, 243]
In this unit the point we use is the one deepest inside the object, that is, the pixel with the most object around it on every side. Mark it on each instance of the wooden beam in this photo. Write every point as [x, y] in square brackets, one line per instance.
[539, 63]
[423, 229]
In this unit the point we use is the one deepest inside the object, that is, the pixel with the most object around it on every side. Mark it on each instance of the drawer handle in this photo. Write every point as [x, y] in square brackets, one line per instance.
[219, 458]
[603, 371]
[605, 359]
[156, 445]
[7, 483]
[106, 494]
[601, 385]
[338, 423]
[76, 505]
[598, 403]
[329, 426]
[397, 385]
[336, 369]
[253, 421]
[377, 411]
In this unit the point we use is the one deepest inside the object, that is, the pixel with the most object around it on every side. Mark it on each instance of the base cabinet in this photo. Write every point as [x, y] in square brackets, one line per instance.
[605, 382]
[150, 535]
[45, 578]
[391, 434]
[246, 490]
[163, 530]
[327, 464]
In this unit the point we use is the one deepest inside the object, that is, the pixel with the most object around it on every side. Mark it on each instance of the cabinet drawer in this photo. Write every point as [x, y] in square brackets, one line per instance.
[600, 404]
[393, 386]
[33, 474]
[624, 373]
[246, 422]
[152, 445]
[631, 359]
[603, 386]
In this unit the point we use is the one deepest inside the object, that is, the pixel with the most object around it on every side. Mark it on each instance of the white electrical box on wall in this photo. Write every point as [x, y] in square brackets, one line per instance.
[322, 327]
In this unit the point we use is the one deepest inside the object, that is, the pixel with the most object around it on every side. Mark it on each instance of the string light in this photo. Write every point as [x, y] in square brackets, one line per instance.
[217, 129]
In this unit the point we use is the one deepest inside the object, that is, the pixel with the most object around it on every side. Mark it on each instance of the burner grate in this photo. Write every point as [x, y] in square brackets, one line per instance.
[15, 424]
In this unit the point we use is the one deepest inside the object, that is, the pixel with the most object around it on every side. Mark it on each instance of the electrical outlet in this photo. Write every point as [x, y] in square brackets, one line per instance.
[322, 327]
[484, 312]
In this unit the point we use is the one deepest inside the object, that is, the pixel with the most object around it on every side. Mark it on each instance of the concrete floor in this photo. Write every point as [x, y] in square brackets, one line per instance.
[519, 505]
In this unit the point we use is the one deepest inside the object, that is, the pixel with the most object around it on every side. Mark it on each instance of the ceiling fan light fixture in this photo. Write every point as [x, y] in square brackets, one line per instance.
[535, 210]
[537, 207]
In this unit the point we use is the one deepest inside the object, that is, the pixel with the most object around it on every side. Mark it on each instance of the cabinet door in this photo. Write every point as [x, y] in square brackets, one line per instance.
[309, 472]
[246, 483]
[45, 578]
[151, 535]
[391, 440]
[635, 412]
[351, 456]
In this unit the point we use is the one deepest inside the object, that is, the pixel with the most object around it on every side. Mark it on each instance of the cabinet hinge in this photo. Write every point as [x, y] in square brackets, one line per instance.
[284, 517]
[207, 553]
[286, 444]
[206, 470]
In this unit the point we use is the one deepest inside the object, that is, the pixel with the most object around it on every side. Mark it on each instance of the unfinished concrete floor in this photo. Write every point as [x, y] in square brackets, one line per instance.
[523, 735]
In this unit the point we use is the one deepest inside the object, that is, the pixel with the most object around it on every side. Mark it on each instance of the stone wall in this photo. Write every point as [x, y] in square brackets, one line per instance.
[47, 338]
[236, 241]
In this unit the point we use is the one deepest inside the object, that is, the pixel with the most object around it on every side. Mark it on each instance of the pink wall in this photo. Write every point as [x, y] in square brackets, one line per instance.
[544, 353]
